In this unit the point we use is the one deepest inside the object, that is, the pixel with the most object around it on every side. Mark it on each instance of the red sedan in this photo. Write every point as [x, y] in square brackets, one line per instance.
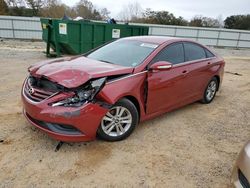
[109, 90]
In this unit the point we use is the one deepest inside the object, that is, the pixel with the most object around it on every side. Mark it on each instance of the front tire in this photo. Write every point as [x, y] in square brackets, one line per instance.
[119, 122]
[210, 91]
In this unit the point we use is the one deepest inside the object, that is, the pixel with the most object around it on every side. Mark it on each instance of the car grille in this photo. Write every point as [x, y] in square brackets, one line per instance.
[35, 94]
[243, 180]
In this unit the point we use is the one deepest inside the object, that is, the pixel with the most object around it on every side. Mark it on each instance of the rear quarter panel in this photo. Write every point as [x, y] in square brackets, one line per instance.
[216, 68]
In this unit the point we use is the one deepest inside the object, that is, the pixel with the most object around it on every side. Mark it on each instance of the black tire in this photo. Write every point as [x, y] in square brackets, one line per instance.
[127, 104]
[206, 99]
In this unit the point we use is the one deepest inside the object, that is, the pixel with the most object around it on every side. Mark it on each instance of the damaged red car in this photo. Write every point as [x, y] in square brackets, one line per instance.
[109, 90]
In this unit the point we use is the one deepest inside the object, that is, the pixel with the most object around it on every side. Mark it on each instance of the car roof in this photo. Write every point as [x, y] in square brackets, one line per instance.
[155, 39]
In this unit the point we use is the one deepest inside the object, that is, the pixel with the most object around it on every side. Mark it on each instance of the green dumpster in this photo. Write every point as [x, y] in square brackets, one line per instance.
[76, 37]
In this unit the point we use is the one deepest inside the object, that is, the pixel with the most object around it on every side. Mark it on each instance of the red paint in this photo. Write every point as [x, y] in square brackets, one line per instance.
[72, 73]
[166, 89]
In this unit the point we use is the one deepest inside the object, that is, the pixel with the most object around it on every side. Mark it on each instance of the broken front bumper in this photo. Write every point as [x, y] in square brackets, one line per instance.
[69, 124]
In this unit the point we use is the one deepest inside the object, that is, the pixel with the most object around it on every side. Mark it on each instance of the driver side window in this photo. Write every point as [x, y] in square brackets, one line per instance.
[173, 53]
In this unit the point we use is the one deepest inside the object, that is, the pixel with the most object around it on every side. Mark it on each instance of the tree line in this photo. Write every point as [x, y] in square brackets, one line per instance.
[132, 12]
[52, 8]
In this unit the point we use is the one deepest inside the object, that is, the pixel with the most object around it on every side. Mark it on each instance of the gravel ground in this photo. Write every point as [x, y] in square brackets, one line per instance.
[194, 146]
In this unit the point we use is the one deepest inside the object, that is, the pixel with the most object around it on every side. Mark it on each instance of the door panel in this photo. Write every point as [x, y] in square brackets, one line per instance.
[183, 83]
[198, 67]
[166, 89]
[197, 77]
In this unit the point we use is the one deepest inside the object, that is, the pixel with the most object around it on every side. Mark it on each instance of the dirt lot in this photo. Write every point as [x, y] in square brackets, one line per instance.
[194, 146]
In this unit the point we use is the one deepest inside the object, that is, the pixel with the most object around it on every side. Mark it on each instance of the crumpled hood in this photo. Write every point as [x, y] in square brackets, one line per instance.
[72, 72]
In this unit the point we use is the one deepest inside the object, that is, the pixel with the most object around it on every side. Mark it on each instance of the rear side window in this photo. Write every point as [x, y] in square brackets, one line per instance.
[193, 52]
[209, 54]
[173, 54]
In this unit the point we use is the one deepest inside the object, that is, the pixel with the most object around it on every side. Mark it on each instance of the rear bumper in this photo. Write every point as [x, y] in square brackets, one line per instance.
[84, 119]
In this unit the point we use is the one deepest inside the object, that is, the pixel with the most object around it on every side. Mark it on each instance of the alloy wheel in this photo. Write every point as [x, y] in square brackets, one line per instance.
[117, 121]
[211, 90]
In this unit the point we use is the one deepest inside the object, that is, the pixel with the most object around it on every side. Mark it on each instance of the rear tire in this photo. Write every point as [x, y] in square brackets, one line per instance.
[119, 122]
[210, 91]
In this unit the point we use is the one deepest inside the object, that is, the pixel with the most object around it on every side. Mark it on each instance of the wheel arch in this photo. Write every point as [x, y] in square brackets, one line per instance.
[135, 101]
[218, 80]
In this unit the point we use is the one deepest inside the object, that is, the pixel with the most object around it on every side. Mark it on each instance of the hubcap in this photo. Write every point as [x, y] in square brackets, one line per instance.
[117, 121]
[211, 90]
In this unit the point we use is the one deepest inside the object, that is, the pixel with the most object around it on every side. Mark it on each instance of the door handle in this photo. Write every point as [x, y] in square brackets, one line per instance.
[209, 63]
[184, 72]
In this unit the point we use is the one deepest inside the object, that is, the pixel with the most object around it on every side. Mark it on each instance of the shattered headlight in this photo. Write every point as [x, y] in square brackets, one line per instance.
[83, 94]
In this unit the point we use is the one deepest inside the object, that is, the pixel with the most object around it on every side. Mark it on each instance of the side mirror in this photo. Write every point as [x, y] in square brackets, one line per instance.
[161, 65]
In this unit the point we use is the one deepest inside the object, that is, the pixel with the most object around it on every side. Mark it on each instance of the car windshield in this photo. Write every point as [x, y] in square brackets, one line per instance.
[128, 53]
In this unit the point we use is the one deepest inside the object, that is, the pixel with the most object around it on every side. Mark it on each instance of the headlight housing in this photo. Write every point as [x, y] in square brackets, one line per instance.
[83, 94]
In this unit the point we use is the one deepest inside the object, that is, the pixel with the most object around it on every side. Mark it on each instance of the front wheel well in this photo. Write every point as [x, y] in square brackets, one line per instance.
[135, 102]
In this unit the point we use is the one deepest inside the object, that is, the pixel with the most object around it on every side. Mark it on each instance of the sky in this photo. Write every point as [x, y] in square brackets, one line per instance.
[184, 8]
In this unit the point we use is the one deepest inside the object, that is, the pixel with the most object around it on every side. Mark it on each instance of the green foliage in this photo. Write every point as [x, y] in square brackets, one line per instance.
[200, 21]
[160, 17]
[238, 22]
[20, 11]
